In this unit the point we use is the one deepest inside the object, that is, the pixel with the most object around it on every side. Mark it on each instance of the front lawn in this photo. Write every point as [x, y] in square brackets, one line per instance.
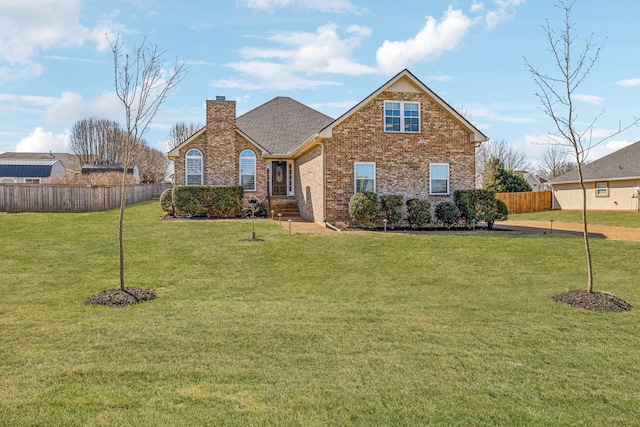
[619, 219]
[339, 329]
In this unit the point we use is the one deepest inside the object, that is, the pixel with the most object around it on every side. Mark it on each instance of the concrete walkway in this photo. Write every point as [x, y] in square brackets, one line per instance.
[302, 226]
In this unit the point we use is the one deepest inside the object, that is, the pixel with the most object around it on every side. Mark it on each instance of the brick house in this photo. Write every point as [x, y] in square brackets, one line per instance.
[402, 139]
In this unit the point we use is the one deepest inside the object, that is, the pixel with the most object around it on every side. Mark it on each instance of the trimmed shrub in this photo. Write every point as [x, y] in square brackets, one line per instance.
[363, 207]
[480, 205]
[166, 201]
[207, 200]
[419, 213]
[493, 210]
[392, 207]
[447, 213]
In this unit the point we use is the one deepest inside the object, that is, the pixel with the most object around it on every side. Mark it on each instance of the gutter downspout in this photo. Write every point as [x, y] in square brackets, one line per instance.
[331, 226]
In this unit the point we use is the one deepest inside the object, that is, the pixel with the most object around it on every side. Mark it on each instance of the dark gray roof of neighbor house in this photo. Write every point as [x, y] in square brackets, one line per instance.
[281, 125]
[26, 168]
[88, 169]
[621, 164]
[69, 161]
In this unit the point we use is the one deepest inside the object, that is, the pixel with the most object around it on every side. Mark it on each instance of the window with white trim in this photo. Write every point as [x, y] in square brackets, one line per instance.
[248, 170]
[602, 189]
[364, 177]
[439, 178]
[32, 180]
[193, 167]
[401, 116]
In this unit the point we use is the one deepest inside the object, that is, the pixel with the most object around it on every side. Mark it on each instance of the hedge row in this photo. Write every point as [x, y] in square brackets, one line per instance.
[468, 207]
[202, 200]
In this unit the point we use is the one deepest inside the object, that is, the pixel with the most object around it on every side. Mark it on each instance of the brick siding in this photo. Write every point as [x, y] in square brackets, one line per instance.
[402, 159]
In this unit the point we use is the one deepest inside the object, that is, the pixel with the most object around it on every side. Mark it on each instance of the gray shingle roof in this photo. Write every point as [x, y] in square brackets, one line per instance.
[621, 164]
[281, 125]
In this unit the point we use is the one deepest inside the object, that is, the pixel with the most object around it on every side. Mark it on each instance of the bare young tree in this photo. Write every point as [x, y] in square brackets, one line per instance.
[557, 90]
[555, 162]
[141, 84]
[179, 133]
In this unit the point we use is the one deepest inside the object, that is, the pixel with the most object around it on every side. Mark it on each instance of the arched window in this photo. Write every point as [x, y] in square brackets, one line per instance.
[248, 170]
[193, 167]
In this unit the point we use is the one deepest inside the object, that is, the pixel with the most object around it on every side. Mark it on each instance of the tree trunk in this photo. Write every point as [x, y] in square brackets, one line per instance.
[585, 231]
[123, 202]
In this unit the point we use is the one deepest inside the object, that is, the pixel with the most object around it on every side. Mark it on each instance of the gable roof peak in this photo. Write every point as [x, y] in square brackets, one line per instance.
[476, 136]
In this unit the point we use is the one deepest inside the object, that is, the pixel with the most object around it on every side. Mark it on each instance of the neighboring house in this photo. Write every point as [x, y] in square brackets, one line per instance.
[402, 139]
[536, 182]
[69, 161]
[26, 171]
[612, 183]
[91, 169]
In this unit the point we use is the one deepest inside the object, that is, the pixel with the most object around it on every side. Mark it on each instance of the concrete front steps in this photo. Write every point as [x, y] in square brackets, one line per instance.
[287, 206]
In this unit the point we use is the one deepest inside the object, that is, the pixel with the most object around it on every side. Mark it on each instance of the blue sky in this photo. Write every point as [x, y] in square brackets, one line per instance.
[55, 66]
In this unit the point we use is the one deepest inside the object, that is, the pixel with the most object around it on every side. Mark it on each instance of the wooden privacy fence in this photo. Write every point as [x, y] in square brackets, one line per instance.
[532, 201]
[71, 198]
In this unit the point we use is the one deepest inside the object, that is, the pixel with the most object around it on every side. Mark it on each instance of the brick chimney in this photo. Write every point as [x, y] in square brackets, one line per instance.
[221, 164]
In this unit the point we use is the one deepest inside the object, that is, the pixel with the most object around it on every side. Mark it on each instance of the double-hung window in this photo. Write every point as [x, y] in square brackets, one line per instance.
[248, 170]
[401, 116]
[439, 178]
[602, 189]
[194, 167]
[365, 177]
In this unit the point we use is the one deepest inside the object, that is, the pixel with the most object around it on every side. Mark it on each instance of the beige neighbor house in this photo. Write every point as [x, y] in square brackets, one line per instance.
[612, 183]
[402, 139]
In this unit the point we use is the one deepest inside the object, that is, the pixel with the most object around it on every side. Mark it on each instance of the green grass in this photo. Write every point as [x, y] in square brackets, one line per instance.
[340, 329]
[619, 219]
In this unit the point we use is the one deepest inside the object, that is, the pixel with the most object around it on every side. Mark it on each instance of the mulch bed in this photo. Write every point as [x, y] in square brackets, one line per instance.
[596, 301]
[118, 298]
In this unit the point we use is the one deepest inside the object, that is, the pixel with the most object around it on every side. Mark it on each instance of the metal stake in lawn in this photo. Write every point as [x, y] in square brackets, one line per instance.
[385, 224]
[551, 227]
[290, 221]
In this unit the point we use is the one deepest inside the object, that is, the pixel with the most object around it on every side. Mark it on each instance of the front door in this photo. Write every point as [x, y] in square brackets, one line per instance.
[279, 179]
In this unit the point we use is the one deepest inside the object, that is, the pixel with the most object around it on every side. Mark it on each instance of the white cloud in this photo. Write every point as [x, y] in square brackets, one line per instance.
[534, 146]
[437, 37]
[489, 114]
[431, 41]
[440, 78]
[29, 26]
[71, 106]
[331, 6]
[591, 99]
[324, 51]
[43, 141]
[504, 12]
[629, 82]
[606, 148]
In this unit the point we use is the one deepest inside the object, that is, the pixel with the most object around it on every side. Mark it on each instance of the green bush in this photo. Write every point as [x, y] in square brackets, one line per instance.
[363, 207]
[166, 201]
[447, 213]
[479, 205]
[492, 211]
[419, 213]
[392, 207]
[207, 200]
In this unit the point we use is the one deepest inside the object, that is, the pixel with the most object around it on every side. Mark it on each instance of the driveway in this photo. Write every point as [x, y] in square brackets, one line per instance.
[597, 231]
